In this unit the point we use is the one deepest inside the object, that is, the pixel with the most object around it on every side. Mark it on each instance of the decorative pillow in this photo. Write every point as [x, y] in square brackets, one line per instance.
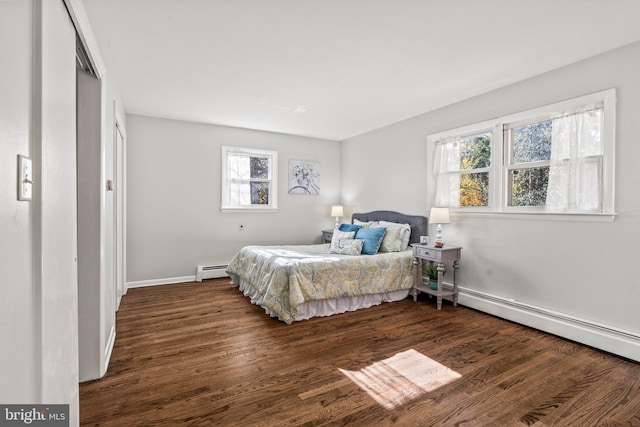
[368, 224]
[349, 227]
[392, 241]
[372, 239]
[340, 235]
[405, 236]
[348, 247]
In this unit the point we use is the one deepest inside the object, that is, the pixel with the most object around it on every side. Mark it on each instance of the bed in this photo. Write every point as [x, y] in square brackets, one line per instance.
[294, 283]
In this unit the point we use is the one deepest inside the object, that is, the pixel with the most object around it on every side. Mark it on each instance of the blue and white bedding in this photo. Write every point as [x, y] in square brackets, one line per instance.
[285, 280]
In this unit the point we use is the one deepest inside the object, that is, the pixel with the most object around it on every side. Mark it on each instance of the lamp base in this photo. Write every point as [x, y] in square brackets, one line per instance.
[438, 243]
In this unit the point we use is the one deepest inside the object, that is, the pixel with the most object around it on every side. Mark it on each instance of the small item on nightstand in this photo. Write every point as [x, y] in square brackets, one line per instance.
[438, 244]
[424, 240]
[432, 272]
[327, 235]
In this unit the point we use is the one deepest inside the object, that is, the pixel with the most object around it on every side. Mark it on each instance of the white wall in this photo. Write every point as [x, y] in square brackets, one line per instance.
[38, 319]
[174, 222]
[38, 242]
[55, 207]
[17, 311]
[112, 107]
[580, 275]
[91, 284]
[96, 267]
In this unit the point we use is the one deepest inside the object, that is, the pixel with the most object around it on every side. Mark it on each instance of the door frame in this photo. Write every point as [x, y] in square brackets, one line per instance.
[120, 204]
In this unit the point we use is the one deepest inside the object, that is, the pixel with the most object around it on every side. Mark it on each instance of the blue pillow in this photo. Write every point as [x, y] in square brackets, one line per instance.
[349, 227]
[372, 239]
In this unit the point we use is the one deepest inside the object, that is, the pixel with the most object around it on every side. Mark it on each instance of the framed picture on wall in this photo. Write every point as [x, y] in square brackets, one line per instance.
[304, 177]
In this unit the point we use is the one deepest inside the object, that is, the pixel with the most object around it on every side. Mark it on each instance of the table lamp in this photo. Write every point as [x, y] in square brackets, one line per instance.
[338, 212]
[439, 216]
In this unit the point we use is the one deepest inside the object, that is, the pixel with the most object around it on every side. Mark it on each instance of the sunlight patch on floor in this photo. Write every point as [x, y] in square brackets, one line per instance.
[401, 378]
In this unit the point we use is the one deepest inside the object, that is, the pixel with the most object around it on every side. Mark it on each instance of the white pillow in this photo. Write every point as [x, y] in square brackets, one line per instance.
[337, 236]
[405, 227]
[368, 224]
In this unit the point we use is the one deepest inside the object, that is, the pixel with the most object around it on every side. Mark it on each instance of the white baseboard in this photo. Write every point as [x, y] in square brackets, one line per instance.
[108, 350]
[167, 281]
[604, 337]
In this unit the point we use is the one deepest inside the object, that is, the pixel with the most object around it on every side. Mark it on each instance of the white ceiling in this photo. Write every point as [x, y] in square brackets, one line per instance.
[335, 69]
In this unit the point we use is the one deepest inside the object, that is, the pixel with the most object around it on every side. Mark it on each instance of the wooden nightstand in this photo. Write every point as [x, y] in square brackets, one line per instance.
[327, 235]
[439, 256]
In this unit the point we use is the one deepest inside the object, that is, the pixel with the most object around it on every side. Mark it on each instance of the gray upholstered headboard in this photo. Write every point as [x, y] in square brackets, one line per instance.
[419, 224]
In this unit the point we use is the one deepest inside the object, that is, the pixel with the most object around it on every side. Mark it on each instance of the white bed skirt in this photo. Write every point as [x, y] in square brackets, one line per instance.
[327, 307]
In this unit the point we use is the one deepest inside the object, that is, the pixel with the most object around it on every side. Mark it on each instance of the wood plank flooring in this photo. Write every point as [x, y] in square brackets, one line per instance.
[199, 354]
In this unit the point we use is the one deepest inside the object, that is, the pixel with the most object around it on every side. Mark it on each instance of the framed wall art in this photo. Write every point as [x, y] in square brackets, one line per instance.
[304, 177]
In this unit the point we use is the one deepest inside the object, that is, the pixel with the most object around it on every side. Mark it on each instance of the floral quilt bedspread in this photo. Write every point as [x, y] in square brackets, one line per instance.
[287, 276]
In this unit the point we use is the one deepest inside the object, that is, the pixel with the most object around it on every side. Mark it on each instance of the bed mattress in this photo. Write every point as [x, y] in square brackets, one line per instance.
[298, 282]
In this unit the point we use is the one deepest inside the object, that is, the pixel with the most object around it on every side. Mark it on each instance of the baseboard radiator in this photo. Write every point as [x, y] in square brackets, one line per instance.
[608, 338]
[211, 272]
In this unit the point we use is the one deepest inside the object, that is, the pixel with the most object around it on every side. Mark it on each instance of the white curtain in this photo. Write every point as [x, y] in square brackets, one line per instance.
[238, 174]
[575, 170]
[447, 160]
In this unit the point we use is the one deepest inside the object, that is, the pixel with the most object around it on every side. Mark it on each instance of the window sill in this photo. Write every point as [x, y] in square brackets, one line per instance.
[538, 216]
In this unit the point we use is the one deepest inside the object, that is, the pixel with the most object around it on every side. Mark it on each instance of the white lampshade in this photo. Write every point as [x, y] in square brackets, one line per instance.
[337, 211]
[439, 216]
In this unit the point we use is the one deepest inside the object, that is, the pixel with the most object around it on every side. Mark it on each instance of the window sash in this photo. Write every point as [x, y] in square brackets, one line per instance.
[573, 133]
[511, 188]
[237, 184]
[450, 173]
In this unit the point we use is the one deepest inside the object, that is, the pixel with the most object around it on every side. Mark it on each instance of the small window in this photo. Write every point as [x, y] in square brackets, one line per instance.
[249, 178]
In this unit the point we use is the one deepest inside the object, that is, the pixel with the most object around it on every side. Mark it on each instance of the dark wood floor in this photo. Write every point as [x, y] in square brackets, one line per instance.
[200, 354]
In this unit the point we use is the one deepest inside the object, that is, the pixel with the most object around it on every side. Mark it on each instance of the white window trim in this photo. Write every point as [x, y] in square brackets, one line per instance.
[498, 177]
[273, 195]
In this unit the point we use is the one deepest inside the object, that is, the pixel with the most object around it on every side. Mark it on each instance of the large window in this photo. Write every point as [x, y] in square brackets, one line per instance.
[249, 178]
[555, 159]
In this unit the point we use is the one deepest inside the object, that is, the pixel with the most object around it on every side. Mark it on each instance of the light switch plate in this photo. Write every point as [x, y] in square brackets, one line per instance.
[25, 178]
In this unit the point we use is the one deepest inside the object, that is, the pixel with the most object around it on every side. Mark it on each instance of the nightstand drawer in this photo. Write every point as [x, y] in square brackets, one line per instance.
[430, 253]
[426, 253]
